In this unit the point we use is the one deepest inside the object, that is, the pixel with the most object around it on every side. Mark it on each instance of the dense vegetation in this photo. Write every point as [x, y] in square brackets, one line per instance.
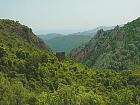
[117, 49]
[31, 75]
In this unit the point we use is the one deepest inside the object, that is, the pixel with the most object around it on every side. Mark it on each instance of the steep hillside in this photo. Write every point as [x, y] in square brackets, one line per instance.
[20, 48]
[67, 43]
[117, 49]
[15, 28]
[31, 75]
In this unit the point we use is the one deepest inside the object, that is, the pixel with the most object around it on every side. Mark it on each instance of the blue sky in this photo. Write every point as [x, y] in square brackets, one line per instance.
[68, 16]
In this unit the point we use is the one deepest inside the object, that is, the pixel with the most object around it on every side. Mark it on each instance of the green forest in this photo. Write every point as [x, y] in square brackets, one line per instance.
[30, 74]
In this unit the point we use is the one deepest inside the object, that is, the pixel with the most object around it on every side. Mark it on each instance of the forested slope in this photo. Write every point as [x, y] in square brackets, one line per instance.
[117, 49]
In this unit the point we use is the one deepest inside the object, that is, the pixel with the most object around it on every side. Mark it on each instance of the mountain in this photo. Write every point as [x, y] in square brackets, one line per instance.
[11, 27]
[50, 36]
[31, 75]
[117, 49]
[92, 32]
[67, 43]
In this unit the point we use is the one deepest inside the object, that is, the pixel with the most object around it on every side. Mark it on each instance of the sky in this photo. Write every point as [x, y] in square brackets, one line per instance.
[69, 16]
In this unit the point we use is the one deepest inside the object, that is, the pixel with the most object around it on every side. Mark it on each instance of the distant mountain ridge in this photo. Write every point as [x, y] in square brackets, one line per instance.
[92, 32]
[50, 36]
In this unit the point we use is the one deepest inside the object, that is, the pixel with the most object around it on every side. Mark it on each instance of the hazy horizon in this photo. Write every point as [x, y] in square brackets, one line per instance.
[69, 16]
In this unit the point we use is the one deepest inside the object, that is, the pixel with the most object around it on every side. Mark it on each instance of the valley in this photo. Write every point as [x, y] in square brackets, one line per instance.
[30, 74]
